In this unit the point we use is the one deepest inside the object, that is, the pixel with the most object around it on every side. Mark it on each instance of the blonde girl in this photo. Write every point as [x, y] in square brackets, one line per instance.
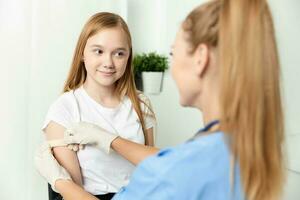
[100, 90]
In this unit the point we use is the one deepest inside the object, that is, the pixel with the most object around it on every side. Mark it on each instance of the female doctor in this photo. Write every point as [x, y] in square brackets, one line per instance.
[225, 64]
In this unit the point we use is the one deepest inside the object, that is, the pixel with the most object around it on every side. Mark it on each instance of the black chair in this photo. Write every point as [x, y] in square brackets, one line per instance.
[53, 195]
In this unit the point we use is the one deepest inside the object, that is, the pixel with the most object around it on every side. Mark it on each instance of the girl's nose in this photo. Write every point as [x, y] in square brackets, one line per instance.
[108, 62]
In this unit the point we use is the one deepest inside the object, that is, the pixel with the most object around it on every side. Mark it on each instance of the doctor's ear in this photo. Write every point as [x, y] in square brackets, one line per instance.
[201, 56]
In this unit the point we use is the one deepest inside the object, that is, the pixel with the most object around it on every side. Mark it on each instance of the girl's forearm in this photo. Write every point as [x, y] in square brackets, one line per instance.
[133, 152]
[70, 191]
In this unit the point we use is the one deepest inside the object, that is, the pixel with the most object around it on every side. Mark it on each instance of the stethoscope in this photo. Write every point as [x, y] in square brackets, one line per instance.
[208, 127]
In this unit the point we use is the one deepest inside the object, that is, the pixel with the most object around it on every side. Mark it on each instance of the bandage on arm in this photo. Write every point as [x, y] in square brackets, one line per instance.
[65, 157]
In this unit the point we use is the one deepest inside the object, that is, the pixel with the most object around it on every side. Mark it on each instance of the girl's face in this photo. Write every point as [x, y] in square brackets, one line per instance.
[184, 69]
[106, 55]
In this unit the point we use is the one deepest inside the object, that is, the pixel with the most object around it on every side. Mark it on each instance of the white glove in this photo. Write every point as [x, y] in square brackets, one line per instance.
[48, 167]
[83, 133]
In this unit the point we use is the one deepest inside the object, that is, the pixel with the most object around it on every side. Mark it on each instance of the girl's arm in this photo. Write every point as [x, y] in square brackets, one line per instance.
[71, 191]
[132, 151]
[66, 157]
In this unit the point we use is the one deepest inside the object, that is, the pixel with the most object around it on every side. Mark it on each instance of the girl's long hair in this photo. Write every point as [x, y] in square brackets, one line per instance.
[125, 85]
[252, 116]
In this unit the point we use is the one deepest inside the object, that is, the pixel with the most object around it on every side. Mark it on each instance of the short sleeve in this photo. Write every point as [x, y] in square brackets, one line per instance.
[149, 182]
[148, 112]
[61, 111]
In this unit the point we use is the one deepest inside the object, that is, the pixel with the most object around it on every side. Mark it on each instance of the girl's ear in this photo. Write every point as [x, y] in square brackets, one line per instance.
[201, 56]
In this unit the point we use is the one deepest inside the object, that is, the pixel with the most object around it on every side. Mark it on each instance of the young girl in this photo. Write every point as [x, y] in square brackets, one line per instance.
[224, 63]
[100, 90]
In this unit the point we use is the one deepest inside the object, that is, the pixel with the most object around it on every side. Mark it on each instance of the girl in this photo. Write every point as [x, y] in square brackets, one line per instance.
[100, 90]
[224, 63]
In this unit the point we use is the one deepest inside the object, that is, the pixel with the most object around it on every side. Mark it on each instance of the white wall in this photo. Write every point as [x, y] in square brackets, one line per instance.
[286, 18]
[144, 24]
[15, 62]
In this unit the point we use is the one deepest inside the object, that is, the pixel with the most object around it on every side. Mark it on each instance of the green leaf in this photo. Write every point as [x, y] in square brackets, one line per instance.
[151, 62]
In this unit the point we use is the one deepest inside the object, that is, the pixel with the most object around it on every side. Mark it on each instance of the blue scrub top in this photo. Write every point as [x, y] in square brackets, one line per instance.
[198, 169]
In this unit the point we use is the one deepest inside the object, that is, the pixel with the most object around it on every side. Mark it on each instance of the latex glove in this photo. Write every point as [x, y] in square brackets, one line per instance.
[83, 133]
[48, 166]
[75, 147]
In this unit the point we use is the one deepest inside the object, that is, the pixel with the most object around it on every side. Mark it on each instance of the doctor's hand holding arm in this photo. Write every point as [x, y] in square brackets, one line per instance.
[84, 133]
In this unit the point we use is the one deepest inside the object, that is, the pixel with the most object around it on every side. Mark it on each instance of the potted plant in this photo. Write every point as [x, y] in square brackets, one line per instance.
[150, 69]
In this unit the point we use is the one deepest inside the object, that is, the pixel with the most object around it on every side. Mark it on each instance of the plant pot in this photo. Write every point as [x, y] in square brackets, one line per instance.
[152, 82]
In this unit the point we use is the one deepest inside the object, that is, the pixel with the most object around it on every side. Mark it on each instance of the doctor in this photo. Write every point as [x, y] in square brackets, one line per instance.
[225, 63]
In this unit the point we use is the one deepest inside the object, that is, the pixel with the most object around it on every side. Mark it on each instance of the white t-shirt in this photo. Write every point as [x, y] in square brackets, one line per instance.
[101, 173]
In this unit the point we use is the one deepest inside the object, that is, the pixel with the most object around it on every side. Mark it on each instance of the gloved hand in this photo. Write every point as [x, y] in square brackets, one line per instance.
[83, 133]
[48, 167]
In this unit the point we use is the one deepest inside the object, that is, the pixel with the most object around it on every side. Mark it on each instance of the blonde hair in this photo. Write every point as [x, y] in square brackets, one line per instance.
[125, 85]
[250, 99]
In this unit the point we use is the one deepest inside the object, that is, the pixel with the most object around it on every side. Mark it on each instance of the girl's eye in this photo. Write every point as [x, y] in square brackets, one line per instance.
[171, 53]
[98, 51]
[120, 53]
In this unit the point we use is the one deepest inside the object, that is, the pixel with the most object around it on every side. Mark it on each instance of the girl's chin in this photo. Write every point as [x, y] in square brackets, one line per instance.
[106, 83]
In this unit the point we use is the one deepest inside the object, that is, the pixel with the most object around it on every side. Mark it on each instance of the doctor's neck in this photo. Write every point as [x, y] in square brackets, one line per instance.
[210, 104]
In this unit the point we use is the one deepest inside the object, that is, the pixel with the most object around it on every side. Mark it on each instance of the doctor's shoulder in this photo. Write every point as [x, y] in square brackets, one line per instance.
[196, 157]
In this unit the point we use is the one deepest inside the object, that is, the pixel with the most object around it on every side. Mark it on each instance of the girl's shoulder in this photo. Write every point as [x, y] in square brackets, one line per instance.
[146, 105]
[62, 111]
[144, 99]
[142, 96]
[64, 101]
